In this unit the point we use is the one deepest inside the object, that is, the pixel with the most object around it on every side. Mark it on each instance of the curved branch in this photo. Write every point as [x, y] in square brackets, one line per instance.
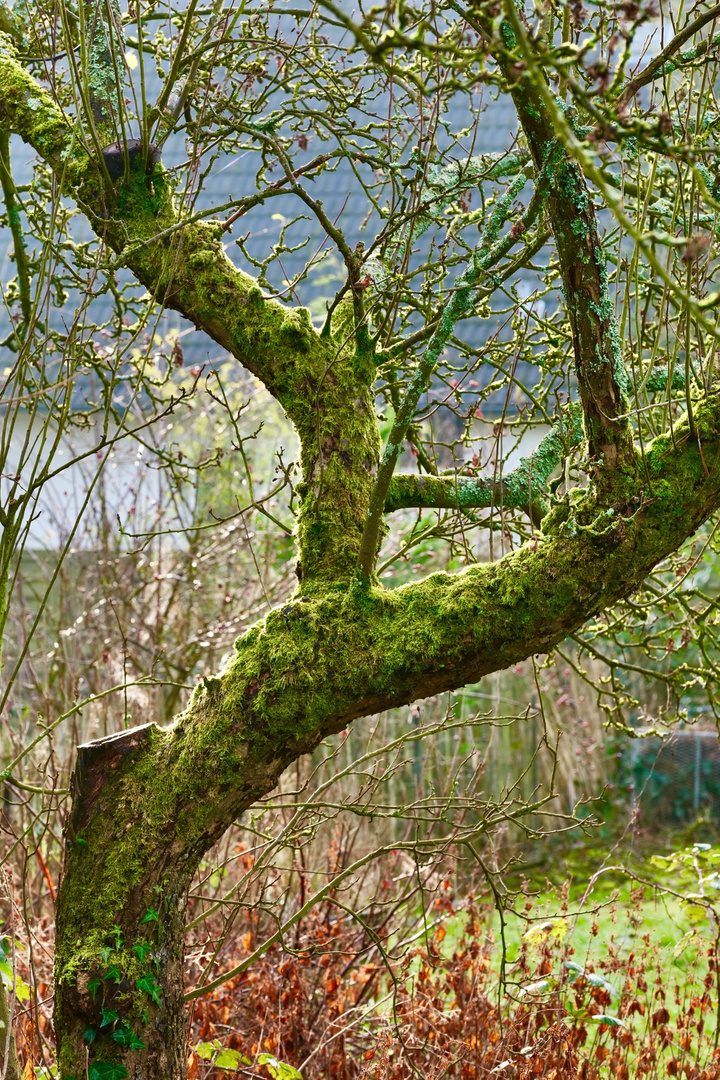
[306, 671]
[183, 265]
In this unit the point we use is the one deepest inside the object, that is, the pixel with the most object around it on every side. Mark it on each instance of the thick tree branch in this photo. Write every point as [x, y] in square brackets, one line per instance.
[602, 380]
[320, 662]
[525, 488]
[183, 266]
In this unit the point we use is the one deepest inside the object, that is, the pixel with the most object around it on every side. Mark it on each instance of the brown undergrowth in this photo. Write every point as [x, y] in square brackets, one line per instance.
[424, 993]
[346, 1004]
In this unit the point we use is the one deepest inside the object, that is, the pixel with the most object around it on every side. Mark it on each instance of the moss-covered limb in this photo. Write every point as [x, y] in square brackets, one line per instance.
[524, 488]
[12, 209]
[149, 803]
[27, 109]
[9, 24]
[602, 379]
[463, 493]
[184, 266]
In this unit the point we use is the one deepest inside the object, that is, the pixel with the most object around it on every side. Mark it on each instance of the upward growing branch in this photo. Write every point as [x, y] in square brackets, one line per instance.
[602, 380]
[491, 248]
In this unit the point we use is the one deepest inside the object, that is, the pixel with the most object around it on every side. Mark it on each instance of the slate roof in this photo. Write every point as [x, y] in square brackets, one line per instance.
[342, 197]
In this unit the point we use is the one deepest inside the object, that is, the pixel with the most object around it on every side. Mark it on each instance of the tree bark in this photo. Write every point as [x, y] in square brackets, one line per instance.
[9, 1066]
[149, 803]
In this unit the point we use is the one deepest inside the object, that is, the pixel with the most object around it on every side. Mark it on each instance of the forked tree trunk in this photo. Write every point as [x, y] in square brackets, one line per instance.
[148, 803]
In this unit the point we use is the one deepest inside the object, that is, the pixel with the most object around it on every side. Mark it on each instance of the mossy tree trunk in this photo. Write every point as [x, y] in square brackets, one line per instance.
[148, 803]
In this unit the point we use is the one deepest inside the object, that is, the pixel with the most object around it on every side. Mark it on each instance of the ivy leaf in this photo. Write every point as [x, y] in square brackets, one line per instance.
[113, 973]
[89, 1034]
[107, 1070]
[124, 1036]
[94, 985]
[151, 915]
[150, 985]
[109, 1016]
[142, 949]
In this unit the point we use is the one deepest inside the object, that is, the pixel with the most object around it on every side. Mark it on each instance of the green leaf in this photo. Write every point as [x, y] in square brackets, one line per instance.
[221, 1056]
[279, 1070]
[109, 1016]
[595, 980]
[94, 985]
[694, 908]
[113, 973]
[107, 1070]
[151, 915]
[662, 861]
[89, 1034]
[124, 1036]
[604, 1018]
[142, 949]
[150, 985]
[574, 969]
[22, 991]
[541, 933]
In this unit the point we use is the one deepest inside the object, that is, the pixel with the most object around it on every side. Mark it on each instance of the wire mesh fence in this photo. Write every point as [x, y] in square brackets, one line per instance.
[676, 778]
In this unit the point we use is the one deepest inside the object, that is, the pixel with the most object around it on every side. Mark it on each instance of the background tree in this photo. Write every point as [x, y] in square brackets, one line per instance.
[604, 369]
